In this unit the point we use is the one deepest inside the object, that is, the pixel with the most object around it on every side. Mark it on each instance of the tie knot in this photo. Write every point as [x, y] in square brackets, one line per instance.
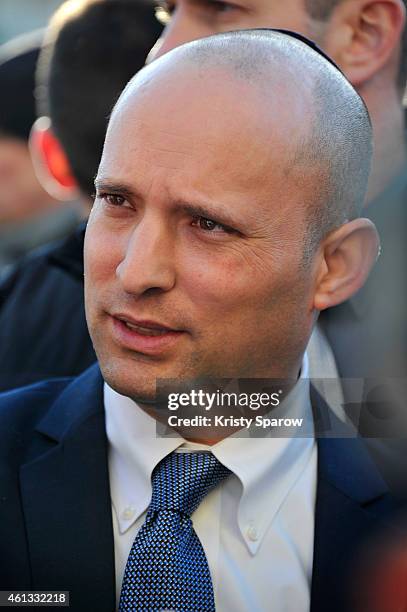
[181, 481]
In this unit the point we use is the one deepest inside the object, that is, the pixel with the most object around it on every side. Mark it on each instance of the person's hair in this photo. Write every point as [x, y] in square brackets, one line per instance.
[321, 10]
[341, 137]
[18, 59]
[92, 49]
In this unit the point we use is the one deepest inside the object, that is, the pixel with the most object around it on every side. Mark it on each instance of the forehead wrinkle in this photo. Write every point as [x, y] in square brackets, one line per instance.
[163, 158]
[125, 118]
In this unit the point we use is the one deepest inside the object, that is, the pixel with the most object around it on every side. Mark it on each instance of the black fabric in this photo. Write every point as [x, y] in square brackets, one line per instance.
[307, 41]
[18, 60]
[43, 332]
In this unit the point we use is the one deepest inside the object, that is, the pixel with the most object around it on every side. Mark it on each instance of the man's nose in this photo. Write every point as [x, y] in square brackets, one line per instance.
[180, 30]
[148, 261]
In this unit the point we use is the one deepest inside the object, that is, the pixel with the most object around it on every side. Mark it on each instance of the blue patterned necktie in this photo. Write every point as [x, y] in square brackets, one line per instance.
[167, 567]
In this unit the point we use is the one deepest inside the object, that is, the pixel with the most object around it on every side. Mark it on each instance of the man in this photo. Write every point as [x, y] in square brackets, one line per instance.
[218, 233]
[29, 216]
[91, 50]
[367, 39]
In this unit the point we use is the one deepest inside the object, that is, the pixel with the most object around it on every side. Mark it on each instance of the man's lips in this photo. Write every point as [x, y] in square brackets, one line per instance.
[144, 336]
[146, 327]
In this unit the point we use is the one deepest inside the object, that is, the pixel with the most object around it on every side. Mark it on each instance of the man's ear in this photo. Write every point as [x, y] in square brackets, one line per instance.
[348, 255]
[363, 36]
[50, 162]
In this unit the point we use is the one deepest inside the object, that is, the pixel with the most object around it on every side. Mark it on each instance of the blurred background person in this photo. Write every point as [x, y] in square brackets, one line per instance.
[91, 49]
[29, 216]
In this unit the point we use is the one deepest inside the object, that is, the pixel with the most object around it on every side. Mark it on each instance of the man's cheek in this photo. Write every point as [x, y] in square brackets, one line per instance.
[214, 282]
[102, 253]
[213, 297]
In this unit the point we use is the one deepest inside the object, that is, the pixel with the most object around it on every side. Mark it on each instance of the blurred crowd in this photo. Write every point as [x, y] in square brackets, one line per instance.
[58, 87]
[71, 80]
[29, 215]
[37, 76]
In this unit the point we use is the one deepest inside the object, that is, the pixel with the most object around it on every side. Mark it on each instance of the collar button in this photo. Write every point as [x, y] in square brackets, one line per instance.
[252, 534]
[128, 513]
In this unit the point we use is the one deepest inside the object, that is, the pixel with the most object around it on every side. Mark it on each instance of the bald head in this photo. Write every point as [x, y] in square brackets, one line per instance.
[216, 158]
[290, 96]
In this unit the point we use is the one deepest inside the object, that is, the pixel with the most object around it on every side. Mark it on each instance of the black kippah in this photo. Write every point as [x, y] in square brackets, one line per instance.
[307, 41]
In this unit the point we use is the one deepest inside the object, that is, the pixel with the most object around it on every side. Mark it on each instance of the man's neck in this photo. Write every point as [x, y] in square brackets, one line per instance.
[205, 432]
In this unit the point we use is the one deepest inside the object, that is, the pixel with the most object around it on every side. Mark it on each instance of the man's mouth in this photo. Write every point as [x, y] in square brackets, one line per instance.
[145, 330]
[144, 336]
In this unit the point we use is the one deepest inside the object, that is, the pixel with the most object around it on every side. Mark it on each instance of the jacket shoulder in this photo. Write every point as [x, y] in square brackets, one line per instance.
[52, 340]
[22, 409]
[62, 259]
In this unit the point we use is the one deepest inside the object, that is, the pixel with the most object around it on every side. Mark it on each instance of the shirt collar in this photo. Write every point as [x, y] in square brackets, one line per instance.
[134, 452]
[266, 468]
[269, 466]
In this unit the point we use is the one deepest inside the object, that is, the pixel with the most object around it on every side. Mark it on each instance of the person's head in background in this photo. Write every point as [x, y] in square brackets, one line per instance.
[366, 38]
[91, 50]
[21, 195]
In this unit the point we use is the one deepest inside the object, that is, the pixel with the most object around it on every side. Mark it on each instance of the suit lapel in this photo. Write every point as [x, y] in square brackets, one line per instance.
[66, 499]
[351, 496]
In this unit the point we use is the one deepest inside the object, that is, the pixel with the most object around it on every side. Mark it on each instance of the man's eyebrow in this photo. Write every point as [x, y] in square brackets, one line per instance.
[208, 212]
[117, 188]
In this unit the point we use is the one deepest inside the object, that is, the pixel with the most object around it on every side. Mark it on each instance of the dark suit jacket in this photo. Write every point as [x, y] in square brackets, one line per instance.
[43, 331]
[55, 509]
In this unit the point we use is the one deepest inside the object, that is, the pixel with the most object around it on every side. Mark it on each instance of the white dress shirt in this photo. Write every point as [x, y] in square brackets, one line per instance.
[257, 527]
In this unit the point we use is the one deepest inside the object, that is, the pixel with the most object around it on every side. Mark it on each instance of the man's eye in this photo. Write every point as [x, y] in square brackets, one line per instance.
[220, 7]
[215, 6]
[165, 8]
[113, 200]
[208, 225]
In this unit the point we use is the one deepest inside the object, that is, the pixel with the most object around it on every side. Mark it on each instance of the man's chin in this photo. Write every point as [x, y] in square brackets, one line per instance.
[141, 388]
[148, 381]
[151, 383]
